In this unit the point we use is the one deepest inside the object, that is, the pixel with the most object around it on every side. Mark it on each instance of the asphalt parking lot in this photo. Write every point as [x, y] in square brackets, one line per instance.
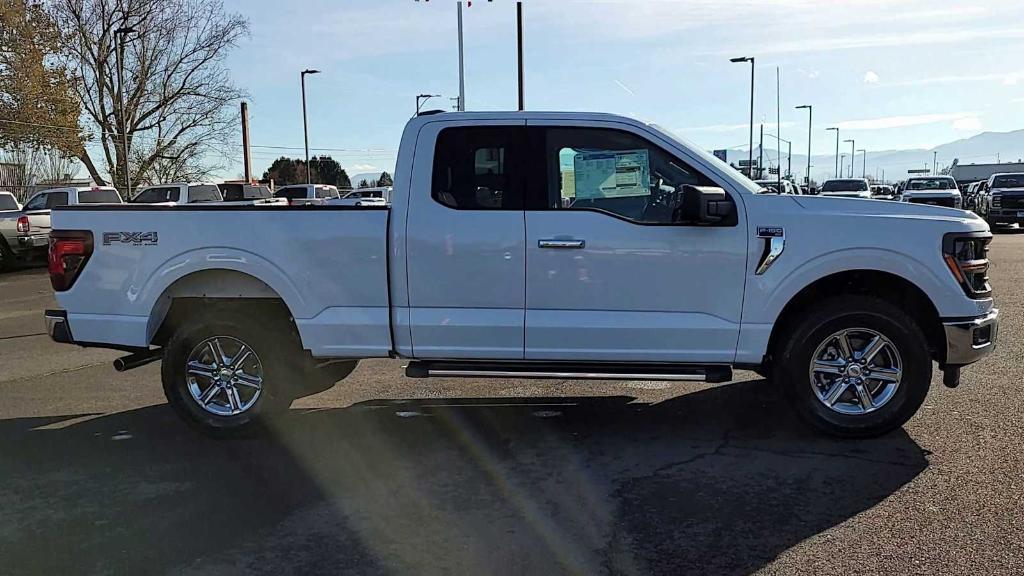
[387, 475]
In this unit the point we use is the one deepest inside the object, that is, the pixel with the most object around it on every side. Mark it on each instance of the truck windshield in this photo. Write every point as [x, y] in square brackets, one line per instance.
[1009, 181]
[157, 194]
[931, 184]
[844, 186]
[98, 197]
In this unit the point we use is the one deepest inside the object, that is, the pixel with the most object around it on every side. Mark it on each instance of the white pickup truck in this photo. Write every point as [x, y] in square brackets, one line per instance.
[536, 245]
[25, 233]
[932, 190]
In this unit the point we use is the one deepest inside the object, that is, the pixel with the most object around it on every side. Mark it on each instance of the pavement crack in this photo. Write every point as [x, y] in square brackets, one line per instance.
[22, 336]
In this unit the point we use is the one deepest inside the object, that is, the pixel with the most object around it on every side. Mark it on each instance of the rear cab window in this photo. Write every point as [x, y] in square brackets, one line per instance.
[7, 202]
[98, 197]
[157, 194]
[204, 193]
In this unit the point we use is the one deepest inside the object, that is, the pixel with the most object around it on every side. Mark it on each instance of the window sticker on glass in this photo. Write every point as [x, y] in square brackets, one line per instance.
[612, 174]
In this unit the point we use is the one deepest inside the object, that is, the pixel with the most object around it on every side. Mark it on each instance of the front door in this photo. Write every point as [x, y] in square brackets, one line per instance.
[610, 276]
[466, 244]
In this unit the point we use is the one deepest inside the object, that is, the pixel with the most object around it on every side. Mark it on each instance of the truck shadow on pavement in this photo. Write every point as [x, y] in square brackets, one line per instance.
[717, 481]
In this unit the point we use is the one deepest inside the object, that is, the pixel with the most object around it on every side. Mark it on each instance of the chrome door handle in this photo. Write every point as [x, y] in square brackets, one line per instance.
[561, 243]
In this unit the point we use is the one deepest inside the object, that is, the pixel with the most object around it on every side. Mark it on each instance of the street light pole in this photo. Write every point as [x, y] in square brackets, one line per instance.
[935, 162]
[837, 150]
[750, 155]
[864, 163]
[119, 39]
[462, 77]
[305, 126]
[853, 155]
[810, 123]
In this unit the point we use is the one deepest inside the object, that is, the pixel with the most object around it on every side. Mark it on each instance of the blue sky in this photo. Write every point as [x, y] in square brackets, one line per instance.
[892, 74]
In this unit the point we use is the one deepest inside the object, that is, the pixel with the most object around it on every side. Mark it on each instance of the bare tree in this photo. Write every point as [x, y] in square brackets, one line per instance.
[187, 164]
[178, 95]
[56, 167]
[27, 163]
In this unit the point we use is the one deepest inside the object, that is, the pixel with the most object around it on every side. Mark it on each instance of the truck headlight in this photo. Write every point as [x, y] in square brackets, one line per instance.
[966, 255]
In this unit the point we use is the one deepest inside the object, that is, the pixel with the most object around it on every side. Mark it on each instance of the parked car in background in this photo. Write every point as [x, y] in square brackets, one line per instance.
[26, 233]
[379, 196]
[883, 192]
[773, 185]
[1005, 199]
[298, 194]
[971, 194]
[933, 190]
[846, 188]
[667, 265]
[178, 193]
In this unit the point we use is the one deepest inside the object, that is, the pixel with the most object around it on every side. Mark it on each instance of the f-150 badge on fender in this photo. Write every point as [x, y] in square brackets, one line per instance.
[774, 244]
[131, 238]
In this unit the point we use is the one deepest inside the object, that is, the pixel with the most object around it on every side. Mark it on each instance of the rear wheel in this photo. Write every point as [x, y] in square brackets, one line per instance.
[228, 373]
[856, 366]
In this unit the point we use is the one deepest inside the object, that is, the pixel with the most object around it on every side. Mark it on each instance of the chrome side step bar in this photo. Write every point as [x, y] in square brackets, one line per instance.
[568, 370]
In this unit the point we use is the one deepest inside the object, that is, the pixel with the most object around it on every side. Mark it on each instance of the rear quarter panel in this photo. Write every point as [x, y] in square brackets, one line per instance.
[328, 265]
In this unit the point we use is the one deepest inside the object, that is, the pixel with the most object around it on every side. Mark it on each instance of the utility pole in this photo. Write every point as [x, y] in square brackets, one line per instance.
[810, 124]
[778, 123]
[246, 156]
[305, 126]
[519, 51]
[119, 39]
[462, 74]
[837, 149]
[750, 155]
[760, 154]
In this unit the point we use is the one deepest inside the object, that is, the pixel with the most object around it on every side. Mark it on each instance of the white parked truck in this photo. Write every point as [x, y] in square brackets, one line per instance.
[26, 233]
[535, 245]
[933, 190]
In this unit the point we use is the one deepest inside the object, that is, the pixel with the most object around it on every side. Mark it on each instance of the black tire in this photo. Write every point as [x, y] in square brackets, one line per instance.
[992, 224]
[276, 348]
[793, 364]
[8, 260]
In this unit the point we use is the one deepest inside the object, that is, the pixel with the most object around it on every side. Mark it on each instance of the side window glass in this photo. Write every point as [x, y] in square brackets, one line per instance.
[617, 172]
[473, 169]
[36, 203]
[203, 193]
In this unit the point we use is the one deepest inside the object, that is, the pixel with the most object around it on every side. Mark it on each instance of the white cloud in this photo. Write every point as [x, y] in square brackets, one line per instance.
[870, 77]
[969, 124]
[904, 121]
[363, 168]
[728, 127]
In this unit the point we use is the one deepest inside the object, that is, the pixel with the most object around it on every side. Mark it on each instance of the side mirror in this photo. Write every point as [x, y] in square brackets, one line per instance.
[704, 205]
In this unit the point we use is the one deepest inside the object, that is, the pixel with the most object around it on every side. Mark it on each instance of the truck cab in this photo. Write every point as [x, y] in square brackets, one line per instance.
[178, 193]
[307, 194]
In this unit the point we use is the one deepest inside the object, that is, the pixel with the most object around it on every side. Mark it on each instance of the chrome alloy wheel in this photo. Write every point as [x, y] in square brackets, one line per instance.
[224, 376]
[856, 371]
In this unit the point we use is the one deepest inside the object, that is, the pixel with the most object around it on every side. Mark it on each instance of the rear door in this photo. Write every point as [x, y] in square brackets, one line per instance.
[466, 242]
[610, 275]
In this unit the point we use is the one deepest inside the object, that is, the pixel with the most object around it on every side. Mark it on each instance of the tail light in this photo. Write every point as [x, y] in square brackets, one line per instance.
[966, 255]
[69, 251]
[24, 226]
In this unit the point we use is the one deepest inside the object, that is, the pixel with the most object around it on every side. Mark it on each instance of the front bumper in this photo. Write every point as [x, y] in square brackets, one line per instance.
[970, 340]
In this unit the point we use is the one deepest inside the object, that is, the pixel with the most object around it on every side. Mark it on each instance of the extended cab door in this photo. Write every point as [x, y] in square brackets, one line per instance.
[465, 242]
[610, 275]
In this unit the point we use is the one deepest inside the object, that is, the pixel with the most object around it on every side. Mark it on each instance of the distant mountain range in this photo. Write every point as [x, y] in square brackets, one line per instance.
[984, 148]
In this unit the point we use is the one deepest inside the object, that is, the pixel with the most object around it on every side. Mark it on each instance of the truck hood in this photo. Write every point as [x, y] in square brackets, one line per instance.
[884, 209]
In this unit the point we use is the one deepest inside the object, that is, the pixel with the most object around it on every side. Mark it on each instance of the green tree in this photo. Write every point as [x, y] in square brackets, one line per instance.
[329, 171]
[285, 171]
[38, 105]
[365, 184]
[385, 180]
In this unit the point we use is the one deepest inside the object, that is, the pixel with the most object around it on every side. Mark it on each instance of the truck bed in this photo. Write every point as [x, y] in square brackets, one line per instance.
[329, 264]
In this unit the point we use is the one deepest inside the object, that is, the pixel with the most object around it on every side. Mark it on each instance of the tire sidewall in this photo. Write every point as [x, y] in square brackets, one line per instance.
[274, 397]
[884, 319]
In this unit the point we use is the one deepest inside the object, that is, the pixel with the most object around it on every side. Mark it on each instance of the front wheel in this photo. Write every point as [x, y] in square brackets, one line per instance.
[228, 374]
[856, 366]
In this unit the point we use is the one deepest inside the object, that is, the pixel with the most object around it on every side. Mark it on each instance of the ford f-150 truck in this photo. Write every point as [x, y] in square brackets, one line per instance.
[535, 245]
[933, 190]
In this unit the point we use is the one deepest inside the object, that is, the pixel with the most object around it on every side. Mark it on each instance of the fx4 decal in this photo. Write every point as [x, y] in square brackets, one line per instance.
[130, 238]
